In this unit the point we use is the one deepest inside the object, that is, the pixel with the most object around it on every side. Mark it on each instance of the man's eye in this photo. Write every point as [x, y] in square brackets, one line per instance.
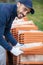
[25, 9]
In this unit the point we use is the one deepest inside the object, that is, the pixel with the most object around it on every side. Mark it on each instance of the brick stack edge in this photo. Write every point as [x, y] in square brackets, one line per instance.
[26, 37]
[30, 37]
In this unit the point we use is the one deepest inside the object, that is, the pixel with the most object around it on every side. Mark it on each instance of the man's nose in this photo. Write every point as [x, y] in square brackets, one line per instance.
[25, 13]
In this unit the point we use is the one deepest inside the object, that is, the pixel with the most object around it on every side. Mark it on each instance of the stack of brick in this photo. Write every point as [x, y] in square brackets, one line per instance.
[27, 32]
[24, 26]
[33, 55]
[30, 36]
[31, 60]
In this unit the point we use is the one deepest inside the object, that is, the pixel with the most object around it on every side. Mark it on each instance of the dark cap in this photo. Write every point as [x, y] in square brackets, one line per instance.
[28, 4]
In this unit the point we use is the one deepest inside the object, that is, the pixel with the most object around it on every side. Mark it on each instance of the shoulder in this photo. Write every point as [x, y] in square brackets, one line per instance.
[6, 7]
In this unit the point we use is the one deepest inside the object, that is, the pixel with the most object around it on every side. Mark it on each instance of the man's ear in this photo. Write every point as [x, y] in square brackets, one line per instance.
[18, 4]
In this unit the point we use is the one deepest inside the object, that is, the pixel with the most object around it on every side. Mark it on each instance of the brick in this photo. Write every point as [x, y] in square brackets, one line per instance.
[30, 36]
[15, 30]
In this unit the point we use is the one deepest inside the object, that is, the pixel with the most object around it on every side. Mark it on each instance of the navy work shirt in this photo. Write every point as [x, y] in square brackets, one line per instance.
[7, 14]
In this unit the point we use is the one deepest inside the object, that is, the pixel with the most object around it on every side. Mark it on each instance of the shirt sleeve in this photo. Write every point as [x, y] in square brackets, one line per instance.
[3, 42]
[9, 36]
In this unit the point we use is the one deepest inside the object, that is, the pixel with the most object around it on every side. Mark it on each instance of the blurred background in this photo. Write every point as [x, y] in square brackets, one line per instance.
[38, 16]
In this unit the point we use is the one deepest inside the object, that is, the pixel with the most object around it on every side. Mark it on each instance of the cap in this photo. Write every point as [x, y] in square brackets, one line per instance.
[28, 4]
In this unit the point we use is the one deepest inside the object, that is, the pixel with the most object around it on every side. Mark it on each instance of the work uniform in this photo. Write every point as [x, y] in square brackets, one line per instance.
[7, 14]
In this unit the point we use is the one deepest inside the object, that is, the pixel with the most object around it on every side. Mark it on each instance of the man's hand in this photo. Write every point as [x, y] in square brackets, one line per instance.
[16, 51]
[19, 45]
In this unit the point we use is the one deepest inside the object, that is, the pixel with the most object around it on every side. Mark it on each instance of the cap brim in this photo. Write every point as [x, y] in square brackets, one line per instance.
[32, 11]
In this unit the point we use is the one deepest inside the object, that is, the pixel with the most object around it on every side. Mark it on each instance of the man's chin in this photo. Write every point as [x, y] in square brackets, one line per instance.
[20, 17]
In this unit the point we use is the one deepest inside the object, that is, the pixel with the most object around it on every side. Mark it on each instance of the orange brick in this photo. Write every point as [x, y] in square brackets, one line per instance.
[34, 50]
[29, 37]
[15, 30]
[35, 63]
[25, 18]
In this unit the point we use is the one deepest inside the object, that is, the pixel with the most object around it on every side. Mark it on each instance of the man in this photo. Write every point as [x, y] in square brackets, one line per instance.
[7, 14]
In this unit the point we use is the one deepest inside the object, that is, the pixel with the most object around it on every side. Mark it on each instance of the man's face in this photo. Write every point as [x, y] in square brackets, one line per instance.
[22, 10]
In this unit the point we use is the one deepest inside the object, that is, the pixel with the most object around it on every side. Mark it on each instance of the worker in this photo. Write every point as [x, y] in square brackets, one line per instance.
[7, 14]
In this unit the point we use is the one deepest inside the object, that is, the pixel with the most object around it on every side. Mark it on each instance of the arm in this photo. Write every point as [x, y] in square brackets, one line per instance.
[3, 42]
[10, 38]
[8, 34]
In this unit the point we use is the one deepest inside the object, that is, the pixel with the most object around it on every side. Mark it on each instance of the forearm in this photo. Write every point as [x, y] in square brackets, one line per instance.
[4, 44]
[10, 38]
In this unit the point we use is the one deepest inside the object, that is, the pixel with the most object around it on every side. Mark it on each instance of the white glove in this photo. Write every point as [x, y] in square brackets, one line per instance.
[16, 51]
[19, 45]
